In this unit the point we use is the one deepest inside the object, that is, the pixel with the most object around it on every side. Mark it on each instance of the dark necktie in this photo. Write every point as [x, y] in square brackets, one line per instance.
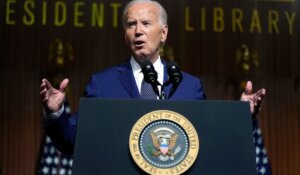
[147, 91]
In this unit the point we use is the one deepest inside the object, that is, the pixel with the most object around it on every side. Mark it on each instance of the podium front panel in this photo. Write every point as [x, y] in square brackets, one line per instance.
[104, 125]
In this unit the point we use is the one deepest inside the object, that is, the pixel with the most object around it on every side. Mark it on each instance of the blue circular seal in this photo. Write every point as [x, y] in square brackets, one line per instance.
[164, 142]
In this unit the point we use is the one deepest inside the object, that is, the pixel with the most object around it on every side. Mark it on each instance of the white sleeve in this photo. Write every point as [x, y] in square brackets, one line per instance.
[54, 115]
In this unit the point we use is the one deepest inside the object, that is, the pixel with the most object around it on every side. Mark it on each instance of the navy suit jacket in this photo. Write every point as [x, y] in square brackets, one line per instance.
[116, 83]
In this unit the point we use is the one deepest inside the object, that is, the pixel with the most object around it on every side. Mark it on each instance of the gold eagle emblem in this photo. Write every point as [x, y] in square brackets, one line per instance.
[163, 143]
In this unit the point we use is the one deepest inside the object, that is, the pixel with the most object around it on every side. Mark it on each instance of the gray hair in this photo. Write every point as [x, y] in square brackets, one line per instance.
[163, 17]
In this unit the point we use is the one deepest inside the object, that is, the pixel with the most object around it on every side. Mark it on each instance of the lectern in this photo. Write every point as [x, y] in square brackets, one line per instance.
[106, 126]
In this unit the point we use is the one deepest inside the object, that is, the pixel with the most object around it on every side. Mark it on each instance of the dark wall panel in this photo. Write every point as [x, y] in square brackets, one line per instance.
[206, 38]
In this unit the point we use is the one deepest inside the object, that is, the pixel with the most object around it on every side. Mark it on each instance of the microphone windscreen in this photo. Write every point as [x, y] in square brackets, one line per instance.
[150, 75]
[174, 73]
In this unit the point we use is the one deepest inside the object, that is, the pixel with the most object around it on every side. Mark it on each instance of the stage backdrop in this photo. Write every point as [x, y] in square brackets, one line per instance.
[223, 42]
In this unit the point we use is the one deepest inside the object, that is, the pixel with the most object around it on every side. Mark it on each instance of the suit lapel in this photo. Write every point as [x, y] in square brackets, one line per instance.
[127, 80]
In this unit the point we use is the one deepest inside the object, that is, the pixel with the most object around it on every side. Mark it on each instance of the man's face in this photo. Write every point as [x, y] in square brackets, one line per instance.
[143, 31]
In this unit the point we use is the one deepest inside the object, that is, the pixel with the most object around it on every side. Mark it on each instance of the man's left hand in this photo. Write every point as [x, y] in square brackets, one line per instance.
[255, 99]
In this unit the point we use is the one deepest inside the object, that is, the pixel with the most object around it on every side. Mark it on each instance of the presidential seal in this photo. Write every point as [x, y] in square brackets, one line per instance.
[164, 142]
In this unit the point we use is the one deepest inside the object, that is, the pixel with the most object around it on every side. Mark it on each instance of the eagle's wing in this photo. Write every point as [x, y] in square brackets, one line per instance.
[173, 141]
[154, 140]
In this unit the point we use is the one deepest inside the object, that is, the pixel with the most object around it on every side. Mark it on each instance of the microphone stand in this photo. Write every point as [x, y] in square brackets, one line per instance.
[162, 95]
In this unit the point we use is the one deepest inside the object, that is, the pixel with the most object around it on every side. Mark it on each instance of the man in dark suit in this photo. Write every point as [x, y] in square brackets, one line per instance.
[146, 29]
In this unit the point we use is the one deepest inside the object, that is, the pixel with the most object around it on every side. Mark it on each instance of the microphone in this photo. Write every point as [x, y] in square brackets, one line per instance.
[175, 76]
[150, 75]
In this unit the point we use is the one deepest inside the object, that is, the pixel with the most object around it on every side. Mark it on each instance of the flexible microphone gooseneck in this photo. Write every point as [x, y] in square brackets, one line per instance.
[150, 76]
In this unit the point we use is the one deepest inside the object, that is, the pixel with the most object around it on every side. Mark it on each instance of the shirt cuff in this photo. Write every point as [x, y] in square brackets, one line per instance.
[54, 115]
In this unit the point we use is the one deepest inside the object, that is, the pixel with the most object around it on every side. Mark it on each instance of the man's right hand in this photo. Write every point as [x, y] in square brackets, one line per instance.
[52, 98]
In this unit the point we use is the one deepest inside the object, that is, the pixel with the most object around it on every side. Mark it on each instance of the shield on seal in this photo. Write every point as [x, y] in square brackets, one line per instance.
[164, 148]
